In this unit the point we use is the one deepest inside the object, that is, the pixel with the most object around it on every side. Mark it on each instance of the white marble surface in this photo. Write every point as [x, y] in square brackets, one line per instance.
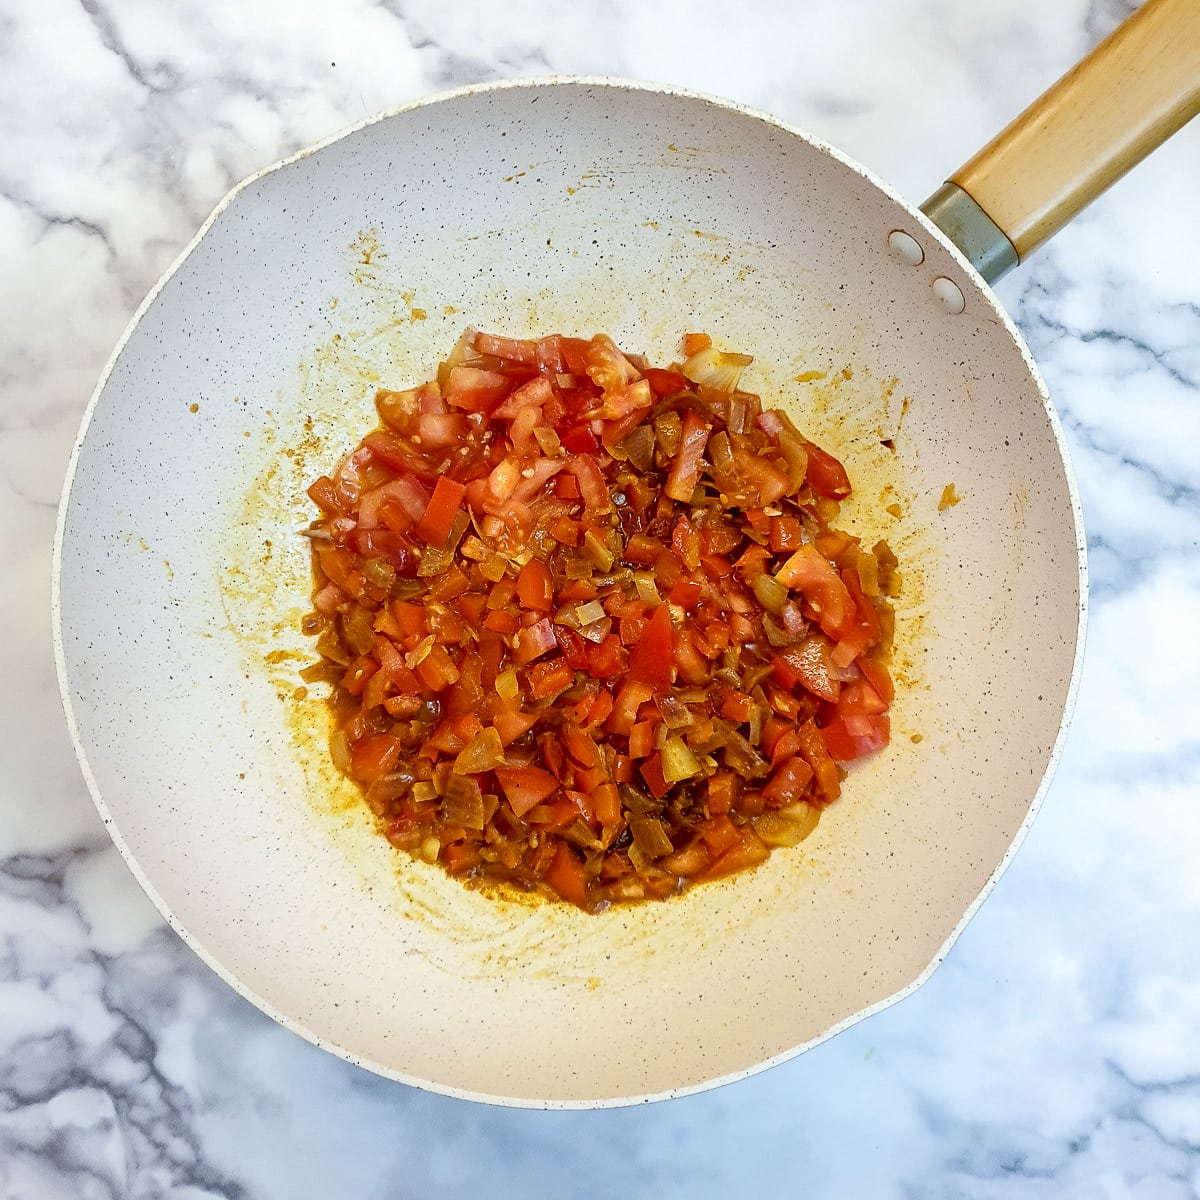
[1057, 1051]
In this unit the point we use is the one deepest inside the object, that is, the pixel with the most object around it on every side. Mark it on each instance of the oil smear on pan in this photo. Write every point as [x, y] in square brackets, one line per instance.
[389, 332]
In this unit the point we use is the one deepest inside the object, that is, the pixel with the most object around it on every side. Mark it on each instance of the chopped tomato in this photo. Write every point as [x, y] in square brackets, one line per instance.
[564, 598]
[525, 786]
[565, 875]
[685, 468]
[666, 383]
[788, 783]
[787, 534]
[434, 525]
[748, 852]
[850, 737]
[476, 390]
[535, 587]
[876, 674]
[513, 349]
[549, 678]
[375, 755]
[817, 755]
[651, 659]
[826, 476]
[815, 578]
[533, 641]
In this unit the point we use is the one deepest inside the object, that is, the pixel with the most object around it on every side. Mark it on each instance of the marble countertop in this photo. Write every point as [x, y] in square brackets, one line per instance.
[1057, 1050]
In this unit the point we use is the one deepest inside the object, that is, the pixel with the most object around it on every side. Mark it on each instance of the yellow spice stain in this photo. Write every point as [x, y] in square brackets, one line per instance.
[366, 247]
[809, 376]
[169, 569]
[193, 408]
[949, 498]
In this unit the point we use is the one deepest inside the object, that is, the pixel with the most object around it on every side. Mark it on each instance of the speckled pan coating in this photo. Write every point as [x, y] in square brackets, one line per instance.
[576, 205]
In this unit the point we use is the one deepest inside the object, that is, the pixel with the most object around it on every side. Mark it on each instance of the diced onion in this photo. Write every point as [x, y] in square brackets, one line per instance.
[647, 588]
[597, 552]
[419, 653]
[675, 714]
[787, 826]
[769, 592]
[597, 631]
[484, 752]
[678, 762]
[547, 439]
[716, 368]
[508, 687]
[650, 836]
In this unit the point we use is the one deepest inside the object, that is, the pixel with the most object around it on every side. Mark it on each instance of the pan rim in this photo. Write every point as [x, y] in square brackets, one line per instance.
[328, 1044]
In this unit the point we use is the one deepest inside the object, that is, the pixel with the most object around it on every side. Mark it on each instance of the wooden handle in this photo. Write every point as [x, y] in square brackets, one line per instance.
[1129, 95]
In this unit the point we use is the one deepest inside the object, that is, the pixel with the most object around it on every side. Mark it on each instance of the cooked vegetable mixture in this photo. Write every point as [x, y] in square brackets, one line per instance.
[589, 627]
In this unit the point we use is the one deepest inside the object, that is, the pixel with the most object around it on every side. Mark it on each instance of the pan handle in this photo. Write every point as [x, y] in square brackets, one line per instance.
[1132, 92]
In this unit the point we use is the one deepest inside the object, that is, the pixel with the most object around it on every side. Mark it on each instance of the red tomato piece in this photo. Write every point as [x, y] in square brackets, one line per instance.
[626, 703]
[434, 526]
[809, 664]
[651, 772]
[550, 677]
[666, 383]
[566, 876]
[501, 621]
[787, 534]
[513, 349]
[826, 475]
[511, 724]
[357, 674]
[641, 739]
[723, 790]
[817, 755]
[533, 641]
[815, 578]
[651, 658]
[686, 594]
[375, 755]
[685, 468]
[850, 737]
[592, 488]
[579, 439]
[749, 852]
[476, 390]
[876, 674]
[605, 658]
[524, 787]
[788, 784]
[535, 588]
[321, 492]
[860, 699]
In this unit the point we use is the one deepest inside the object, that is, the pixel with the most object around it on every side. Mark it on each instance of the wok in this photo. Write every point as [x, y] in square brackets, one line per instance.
[578, 206]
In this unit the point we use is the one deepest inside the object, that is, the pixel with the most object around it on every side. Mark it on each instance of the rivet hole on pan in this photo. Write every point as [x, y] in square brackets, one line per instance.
[906, 248]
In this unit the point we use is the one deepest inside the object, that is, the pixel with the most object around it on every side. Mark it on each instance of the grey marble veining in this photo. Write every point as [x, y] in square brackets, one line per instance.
[1056, 1053]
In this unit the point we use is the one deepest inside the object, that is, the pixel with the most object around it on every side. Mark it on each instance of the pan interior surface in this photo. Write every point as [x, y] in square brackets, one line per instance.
[576, 208]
